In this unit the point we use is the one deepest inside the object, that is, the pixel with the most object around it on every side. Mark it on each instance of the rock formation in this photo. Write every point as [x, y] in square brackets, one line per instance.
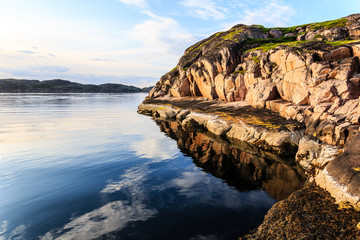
[316, 82]
[309, 74]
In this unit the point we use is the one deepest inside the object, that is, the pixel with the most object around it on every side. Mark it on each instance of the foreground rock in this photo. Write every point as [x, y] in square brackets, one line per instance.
[309, 213]
[341, 177]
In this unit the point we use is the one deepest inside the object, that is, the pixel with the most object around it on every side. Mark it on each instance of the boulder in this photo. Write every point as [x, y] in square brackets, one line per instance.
[275, 33]
[217, 126]
[164, 112]
[356, 50]
[341, 177]
[337, 54]
[182, 115]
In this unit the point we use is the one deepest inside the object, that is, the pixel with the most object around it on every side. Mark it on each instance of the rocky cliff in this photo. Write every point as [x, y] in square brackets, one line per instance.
[309, 73]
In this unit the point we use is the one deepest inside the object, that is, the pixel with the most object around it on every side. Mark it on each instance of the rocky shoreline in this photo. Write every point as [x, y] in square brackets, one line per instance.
[289, 91]
[191, 114]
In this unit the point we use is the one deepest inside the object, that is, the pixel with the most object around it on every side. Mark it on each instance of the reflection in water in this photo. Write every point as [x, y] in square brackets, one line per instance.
[241, 165]
[108, 218]
[87, 166]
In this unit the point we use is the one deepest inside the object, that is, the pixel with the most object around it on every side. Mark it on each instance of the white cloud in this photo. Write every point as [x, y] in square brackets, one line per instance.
[39, 70]
[205, 9]
[131, 179]
[269, 13]
[134, 3]
[110, 217]
[104, 60]
[155, 147]
[162, 34]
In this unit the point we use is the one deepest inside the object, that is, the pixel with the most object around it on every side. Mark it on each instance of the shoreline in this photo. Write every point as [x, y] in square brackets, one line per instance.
[277, 135]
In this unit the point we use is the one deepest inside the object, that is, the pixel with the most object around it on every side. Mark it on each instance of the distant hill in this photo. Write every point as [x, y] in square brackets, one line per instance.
[64, 86]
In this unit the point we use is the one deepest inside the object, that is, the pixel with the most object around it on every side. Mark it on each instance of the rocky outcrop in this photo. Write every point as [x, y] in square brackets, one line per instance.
[308, 74]
[341, 177]
[312, 80]
[261, 128]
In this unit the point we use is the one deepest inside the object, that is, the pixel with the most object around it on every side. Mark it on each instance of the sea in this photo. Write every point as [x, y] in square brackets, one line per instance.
[88, 166]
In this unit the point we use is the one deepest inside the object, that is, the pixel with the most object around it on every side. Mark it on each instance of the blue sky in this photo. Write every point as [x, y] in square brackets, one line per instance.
[130, 41]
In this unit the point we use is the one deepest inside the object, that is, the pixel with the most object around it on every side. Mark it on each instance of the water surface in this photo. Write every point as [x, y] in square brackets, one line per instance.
[87, 166]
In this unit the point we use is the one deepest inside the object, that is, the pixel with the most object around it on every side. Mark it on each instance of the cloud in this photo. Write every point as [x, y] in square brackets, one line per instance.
[205, 9]
[134, 3]
[155, 147]
[110, 217]
[39, 70]
[27, 52]
[17, 233]
[162, 34]
[131, 178]
[268, 13]
[103, 60]
[113, 216]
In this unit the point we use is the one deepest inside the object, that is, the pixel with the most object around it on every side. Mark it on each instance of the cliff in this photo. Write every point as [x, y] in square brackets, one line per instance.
[289, 91]
[64, 86]
[309, 73]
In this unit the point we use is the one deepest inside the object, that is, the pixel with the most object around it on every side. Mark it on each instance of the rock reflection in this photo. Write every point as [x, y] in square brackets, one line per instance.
[239, 164]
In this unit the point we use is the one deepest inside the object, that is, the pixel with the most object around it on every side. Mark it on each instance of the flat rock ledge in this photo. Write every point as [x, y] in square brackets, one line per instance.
[237, 122]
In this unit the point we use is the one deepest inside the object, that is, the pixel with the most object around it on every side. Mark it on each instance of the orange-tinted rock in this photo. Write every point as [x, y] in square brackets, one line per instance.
[337, 54]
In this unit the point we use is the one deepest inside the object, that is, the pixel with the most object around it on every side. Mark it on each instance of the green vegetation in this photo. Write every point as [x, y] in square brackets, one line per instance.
[285, 30]
[339, 43]
[242, 72]
[202, 43]
[269, 46]
[318, 36]
[329, 24]
[256, 59]
[231, 36]
[172, 70]
[270, 40]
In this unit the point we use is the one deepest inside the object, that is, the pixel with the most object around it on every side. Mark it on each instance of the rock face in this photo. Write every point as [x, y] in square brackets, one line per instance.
[341, 177]
[299, 72]
[309, 74]
[261, 128]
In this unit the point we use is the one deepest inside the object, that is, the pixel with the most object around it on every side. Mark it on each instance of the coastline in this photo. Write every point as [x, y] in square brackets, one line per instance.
[277, 135]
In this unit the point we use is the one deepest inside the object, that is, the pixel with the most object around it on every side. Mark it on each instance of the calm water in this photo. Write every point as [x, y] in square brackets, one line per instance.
[87, 166]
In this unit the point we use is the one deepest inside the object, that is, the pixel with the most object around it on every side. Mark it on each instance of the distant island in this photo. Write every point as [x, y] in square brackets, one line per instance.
[64, 86]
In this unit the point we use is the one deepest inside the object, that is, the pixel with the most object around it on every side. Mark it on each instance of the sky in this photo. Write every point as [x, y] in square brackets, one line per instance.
[132, 42]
